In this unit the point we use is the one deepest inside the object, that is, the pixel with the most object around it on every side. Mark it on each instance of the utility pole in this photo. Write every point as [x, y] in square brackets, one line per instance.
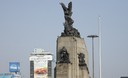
[92, 36]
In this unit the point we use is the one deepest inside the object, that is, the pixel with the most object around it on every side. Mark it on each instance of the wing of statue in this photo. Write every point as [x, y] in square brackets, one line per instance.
[70, 6]
[63, 6]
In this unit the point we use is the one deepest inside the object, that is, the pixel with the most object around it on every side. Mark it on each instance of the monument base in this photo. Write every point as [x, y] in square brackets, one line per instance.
[77, 67]
[63, 70]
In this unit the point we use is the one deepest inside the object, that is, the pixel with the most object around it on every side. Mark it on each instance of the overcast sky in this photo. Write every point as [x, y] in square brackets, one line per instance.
[29, 24]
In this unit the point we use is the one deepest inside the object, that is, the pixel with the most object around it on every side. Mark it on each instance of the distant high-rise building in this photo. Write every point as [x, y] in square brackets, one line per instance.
[40, 64]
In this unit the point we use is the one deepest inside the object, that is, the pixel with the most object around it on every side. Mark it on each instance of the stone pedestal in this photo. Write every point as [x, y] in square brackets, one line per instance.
[73, 69]
[63, 70]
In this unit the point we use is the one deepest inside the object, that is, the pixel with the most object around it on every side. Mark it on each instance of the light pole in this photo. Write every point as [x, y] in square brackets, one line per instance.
[92, 36]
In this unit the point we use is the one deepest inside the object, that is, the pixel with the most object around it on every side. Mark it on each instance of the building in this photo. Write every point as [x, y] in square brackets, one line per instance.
[10, 75]
[40, 64]
[6, 75]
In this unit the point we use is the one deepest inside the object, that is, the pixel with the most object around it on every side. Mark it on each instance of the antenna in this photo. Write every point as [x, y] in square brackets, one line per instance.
[99, 33]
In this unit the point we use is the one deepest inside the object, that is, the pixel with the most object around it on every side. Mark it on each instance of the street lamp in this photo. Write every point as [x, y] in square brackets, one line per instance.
[92, 36]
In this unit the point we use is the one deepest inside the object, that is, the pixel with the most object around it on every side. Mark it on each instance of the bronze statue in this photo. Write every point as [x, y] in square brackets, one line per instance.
[67, 13]
[81, 57]
[64, 56]
[68, 27]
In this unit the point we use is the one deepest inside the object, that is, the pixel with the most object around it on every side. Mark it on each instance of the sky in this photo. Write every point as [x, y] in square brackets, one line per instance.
[29, 24]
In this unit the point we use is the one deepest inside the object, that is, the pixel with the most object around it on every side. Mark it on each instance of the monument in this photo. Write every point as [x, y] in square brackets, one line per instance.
[72, 55]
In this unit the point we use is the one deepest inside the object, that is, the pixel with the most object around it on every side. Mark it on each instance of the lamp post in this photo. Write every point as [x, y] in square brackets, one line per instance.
[92, 36]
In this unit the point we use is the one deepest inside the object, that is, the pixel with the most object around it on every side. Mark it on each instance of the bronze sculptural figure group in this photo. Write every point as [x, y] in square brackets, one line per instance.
[68, 24]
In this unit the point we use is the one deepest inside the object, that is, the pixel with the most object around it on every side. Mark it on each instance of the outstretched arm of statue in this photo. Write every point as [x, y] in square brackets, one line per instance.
[63, 6]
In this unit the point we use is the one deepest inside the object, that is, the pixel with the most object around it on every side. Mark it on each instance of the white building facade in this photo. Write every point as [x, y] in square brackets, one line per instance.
[40, 64]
